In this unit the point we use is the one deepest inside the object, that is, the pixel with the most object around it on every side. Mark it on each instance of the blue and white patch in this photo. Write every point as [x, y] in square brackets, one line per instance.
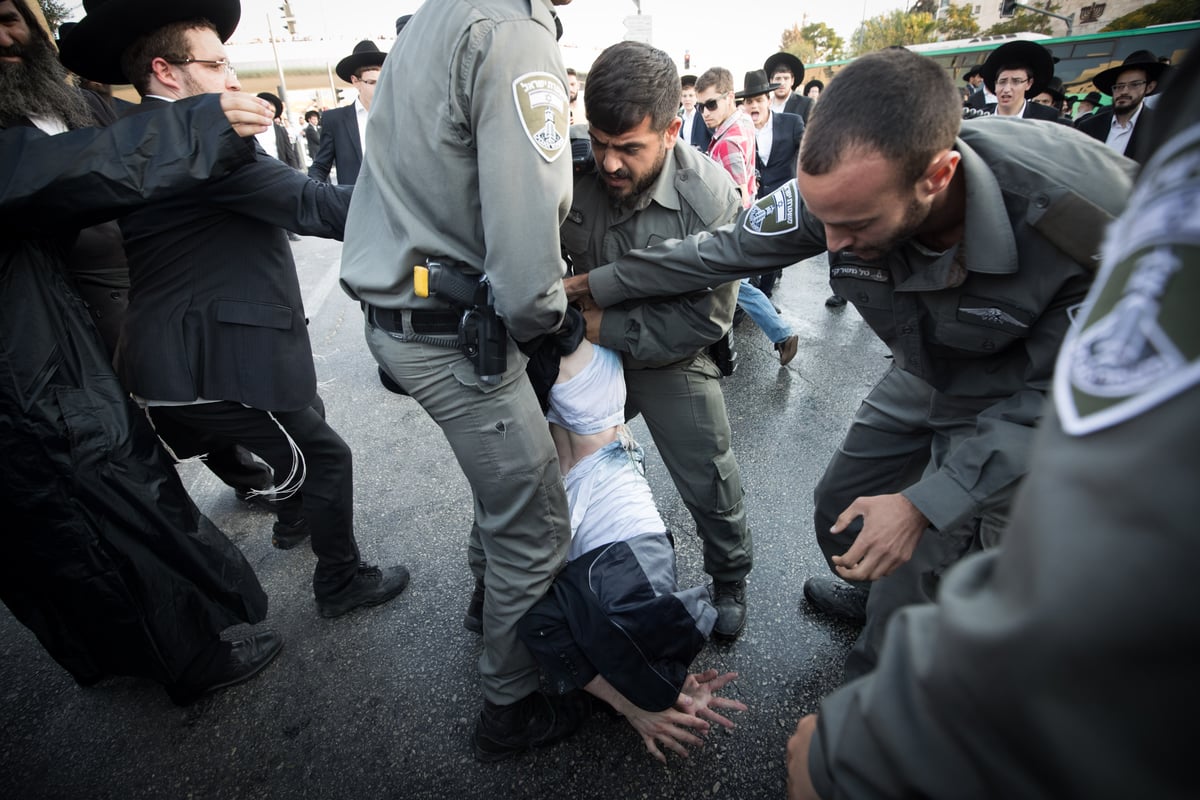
[542, 107]
[777, 213]
[1136, 343]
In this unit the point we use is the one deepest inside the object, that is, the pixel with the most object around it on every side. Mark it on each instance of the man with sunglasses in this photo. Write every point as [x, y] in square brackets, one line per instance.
[215, 338]
[732, 144]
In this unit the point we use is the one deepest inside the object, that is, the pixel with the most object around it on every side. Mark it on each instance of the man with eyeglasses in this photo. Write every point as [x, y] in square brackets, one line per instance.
[215, 338]
[1015, 72]
[1129, 84]
[344, 129]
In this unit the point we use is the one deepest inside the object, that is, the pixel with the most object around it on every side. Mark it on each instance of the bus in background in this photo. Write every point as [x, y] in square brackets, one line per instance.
[1077, 58]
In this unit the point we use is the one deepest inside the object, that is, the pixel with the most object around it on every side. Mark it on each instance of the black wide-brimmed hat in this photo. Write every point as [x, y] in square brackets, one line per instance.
[1030, 55]
[1054, 88]
[1091, 97]
[93, 48]
[687, 80]
[972, 72]
[401, 22]
[756, 83]
[366, 54]
[1143, 60]
[791, 62]
[274, 100]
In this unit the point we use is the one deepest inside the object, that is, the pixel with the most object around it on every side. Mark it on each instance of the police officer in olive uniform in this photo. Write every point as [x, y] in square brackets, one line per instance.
[965, 252]
[1054, 666]
[671, 380]
[472, 102]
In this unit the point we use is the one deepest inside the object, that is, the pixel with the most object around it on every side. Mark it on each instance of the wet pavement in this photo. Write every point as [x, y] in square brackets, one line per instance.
[381, 703]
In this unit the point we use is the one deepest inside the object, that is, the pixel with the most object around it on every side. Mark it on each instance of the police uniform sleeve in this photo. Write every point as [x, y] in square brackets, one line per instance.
[674, 328]
[87, 176]
[773, 233]
[1055, 665]
[518, 113]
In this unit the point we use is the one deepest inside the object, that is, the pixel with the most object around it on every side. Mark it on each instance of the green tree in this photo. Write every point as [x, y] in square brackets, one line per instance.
[1027, 21]
[894, 28]
[813, 43]
[958, 23]
[56, 12]
[1159, 13]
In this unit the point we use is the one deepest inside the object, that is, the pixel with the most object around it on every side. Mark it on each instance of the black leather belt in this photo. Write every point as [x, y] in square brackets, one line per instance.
[437, 323]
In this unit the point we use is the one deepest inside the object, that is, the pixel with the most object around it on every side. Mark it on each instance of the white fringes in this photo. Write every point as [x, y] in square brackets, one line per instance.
[295, 478]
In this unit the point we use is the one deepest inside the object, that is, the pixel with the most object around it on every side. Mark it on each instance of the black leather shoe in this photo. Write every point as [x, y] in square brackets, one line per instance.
[729, 598]
[238, 661]
[286, 535]
[473, 621]
[835, 301]
[836, 598]
[371, 587]
[535, 720]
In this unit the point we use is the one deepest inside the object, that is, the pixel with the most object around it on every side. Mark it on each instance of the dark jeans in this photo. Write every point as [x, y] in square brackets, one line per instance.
[321, 460]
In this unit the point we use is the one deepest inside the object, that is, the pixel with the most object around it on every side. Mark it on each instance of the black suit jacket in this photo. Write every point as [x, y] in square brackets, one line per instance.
[1034, 111]
[786, 130]
[800, 105]
[312, 139]
[215, 310]
[701, 135]
[340, 144]
[1099, 124]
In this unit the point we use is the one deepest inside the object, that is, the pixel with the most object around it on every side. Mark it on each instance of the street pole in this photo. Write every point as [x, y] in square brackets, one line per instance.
[279, 68]
[1070, 19]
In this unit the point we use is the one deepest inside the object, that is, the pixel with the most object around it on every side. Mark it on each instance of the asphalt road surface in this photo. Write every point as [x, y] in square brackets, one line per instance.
[381, 703]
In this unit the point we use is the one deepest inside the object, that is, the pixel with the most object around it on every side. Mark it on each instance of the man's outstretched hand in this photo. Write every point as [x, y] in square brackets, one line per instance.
[249, 115]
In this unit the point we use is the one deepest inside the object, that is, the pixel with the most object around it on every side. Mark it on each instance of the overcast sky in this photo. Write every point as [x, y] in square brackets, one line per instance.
[714, 39]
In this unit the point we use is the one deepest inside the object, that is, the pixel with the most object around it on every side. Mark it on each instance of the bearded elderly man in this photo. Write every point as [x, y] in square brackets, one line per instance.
[646, 189]
[965, 252]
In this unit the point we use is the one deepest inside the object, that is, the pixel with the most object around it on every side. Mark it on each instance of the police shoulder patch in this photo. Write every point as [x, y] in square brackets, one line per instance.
[1136, 343]
[542, 108]
[775, 214]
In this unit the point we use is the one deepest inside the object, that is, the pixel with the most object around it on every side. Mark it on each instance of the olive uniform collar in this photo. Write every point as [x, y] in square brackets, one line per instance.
[988, 244]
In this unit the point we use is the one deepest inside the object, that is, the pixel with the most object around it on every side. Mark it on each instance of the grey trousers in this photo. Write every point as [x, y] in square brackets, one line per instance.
[522, 530]
[684, 410]
[903, 430]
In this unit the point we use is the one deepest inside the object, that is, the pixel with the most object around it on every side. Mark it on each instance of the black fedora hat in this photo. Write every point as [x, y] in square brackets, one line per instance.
[93, 48]
[972, 72]
[1030, 55]
[273, 100]
[1054, 88]
[366, 54]
[1143, 60]
[1091, 97]
[756, 83]
[401, 22]
[790, 62]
